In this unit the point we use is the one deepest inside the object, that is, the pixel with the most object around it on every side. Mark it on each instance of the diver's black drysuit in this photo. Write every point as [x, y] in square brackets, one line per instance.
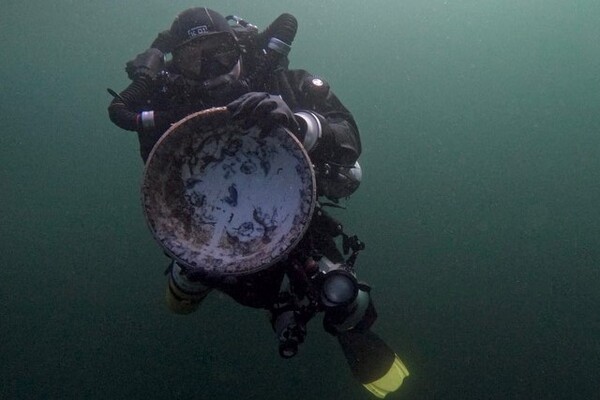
[171, 97]
[315, 276]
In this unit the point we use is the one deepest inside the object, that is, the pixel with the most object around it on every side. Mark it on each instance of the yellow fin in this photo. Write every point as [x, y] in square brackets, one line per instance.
[391, 381]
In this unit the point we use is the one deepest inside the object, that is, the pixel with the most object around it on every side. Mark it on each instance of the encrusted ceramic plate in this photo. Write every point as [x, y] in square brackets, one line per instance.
[226, 199]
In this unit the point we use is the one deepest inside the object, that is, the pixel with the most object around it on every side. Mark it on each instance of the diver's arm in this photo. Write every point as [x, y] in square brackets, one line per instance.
[164, 42]
[126, 110]
[330, 137]
[330, 133]
[129, 109]
[123, 108]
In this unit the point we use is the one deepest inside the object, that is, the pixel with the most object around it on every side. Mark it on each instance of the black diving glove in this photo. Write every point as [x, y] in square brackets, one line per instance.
[149, 64]
[265, 110]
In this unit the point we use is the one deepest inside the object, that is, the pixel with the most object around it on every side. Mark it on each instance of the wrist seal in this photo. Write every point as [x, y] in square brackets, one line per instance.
[311, 127]
[147, 118]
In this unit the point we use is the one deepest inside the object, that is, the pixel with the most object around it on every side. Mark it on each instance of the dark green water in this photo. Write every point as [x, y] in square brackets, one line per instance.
[480, 205]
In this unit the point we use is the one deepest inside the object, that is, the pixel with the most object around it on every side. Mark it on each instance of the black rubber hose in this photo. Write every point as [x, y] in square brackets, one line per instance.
[283, 28]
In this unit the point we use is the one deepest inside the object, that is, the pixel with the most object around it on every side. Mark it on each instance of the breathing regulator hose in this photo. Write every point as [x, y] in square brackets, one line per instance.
[283, 29]
[276, 42]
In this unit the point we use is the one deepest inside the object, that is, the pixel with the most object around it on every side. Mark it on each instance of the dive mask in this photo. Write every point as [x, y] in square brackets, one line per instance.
[207, 56]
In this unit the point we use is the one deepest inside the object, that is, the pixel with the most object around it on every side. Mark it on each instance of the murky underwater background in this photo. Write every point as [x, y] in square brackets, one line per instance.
[479, 207]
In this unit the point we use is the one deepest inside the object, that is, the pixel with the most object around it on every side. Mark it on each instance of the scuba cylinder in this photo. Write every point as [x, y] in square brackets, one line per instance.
[184, 294]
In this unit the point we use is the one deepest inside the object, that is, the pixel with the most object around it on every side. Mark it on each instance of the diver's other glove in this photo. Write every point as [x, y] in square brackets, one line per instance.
[148, 64]
[265, 110]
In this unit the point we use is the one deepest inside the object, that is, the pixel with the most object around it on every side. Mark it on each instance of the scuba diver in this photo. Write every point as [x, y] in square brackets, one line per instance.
[207, 60]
